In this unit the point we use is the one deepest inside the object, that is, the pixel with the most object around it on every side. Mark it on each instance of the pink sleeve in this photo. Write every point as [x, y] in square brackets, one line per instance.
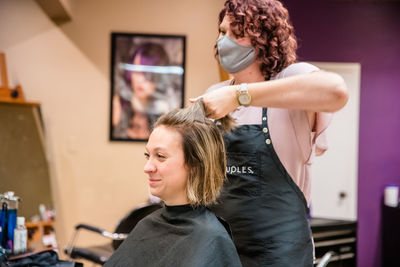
[322, 121]
[311, 143]
[318, 142]
[218, 85]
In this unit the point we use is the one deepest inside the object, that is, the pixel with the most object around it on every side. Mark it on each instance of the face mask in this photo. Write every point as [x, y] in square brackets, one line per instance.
[233, 56]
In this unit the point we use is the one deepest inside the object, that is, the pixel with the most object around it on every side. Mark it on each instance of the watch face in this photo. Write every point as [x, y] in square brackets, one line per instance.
[244, 99]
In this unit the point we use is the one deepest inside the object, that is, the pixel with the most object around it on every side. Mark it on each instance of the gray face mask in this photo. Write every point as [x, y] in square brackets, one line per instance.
[233, 56]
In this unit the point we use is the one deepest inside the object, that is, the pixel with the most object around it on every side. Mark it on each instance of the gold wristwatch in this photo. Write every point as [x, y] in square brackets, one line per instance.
[243, 96]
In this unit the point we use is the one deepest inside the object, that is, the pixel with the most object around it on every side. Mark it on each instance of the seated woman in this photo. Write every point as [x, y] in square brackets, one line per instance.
[186, 168]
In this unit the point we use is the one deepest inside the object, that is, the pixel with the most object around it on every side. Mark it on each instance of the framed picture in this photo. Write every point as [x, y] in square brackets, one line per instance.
[147, 80]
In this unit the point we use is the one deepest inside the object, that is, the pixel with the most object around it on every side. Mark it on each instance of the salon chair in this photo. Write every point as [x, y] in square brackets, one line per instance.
[100, 254]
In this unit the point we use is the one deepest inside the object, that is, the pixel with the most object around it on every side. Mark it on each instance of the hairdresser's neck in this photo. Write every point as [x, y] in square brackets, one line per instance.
[251, 74]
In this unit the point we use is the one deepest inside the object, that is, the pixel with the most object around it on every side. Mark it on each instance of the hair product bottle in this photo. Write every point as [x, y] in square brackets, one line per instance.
[20, 236]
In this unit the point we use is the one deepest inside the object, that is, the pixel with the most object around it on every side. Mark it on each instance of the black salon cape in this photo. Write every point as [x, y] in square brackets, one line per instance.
[176, 236]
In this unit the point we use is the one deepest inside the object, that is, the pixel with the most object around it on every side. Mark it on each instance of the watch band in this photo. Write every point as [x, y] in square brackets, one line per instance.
[243, 87]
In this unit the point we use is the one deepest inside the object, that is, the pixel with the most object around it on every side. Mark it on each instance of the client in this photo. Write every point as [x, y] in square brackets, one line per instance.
[186, 168]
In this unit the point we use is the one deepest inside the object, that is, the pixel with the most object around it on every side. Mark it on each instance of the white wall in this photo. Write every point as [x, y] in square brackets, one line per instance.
[336, 172]
[66, 69]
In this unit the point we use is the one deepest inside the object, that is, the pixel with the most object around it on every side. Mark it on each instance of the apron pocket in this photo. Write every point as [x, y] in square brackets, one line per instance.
[243, 172]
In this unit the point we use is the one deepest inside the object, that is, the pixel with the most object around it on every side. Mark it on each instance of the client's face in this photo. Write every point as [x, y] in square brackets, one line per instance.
[166, 167]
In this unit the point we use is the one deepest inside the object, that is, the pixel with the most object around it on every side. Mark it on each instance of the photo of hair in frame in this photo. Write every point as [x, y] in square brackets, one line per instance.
[147, 81]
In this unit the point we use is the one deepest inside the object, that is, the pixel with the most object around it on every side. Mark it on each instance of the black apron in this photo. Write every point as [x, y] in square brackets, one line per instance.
[265, 209]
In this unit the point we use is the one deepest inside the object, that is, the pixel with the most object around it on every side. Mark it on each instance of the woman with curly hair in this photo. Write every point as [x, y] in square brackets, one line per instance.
[282, 109]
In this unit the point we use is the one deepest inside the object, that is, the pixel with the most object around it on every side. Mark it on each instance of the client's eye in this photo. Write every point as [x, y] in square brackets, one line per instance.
[146, 155]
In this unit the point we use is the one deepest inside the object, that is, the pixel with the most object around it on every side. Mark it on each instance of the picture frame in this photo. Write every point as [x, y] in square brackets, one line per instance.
[147, 81]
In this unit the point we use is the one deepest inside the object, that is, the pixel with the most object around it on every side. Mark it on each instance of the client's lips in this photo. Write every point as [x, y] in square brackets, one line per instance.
[153, 181]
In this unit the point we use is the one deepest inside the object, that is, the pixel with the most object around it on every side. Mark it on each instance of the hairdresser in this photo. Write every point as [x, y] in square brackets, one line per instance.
[282, 109]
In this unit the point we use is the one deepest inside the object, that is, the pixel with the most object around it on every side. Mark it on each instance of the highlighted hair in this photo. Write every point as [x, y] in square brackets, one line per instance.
[203, 149]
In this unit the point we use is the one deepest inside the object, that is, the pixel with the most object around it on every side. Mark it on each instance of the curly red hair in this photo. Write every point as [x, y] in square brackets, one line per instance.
[271, 33]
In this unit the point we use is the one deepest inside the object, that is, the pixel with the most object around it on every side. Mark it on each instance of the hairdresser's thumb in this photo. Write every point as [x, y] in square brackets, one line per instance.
[194, 99]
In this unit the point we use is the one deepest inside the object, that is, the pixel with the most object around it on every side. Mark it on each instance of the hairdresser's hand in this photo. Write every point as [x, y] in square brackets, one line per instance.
[220, 102]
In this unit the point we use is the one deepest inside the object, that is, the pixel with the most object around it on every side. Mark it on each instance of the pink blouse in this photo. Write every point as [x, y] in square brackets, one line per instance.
[294, 142]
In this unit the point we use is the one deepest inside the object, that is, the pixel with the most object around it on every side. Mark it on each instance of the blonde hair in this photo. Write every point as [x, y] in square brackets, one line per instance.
[203, 149]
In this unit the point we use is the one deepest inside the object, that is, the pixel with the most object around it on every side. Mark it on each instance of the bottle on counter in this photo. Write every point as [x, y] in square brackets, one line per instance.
[20, 236]
[8, 219]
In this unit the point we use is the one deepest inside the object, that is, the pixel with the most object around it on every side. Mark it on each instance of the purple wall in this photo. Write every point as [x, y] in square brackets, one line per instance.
[369, 33]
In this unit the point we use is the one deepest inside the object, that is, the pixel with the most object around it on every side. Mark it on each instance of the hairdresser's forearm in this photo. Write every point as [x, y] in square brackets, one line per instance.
[317, 91]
